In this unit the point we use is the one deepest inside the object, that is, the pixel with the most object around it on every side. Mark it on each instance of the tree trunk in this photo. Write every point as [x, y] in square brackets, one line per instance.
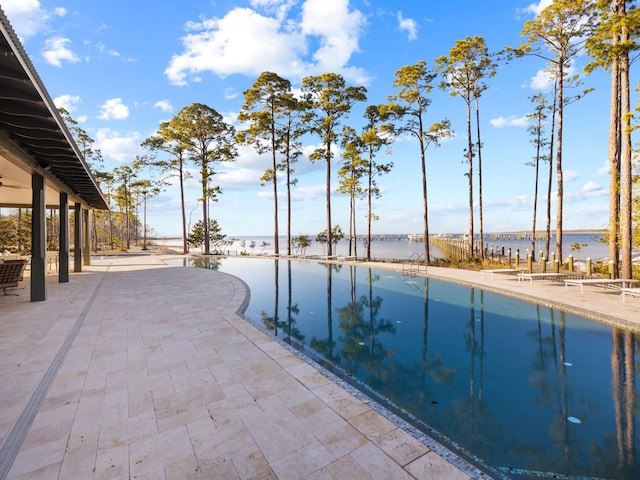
[550, 182]
[351, 219]
[205, 213]
[288, 201]
[535, 190]
[481, 226]
[353, 232]
[614, 162]
[369, 205]
[185, 244]
[626, 186]
[427, 255]
[470, 175]
[276, 233]
[560, 198]
[427, 258]
[329, 233]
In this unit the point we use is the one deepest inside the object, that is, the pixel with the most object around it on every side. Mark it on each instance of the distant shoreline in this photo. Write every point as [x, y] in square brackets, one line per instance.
[511, 232]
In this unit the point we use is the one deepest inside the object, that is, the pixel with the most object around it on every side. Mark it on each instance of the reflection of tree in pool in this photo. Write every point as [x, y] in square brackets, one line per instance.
[566, 450]
[292, 309]
[406, 384]
[544, 365]
[618, 456]
[475, 426]
[210, 263]
[431, 365]
[325, 346]
[360, 345]
[273, 323]
[569, 450]
[412, 386]
[624, 394]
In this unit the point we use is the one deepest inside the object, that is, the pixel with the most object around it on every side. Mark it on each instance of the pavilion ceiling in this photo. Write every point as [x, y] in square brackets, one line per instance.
[33, 136]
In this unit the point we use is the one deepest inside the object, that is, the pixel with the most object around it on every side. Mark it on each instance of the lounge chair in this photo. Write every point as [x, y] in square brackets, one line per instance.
[11, 273]
[540, 276]
[503, 271]
[600, 282]
[632, 292]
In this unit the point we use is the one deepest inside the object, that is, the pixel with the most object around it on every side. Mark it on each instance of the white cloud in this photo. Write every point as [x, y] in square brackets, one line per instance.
[103, 49]
[114, 109]
[119, 146]
[230, 93]
[238, 178]
[542, 80]
[27, 16]
[164, 105]
[570, 175]
[309, 193]
[589, 191]
[68, 102]
[56, 51]
[279, 7]
[408, 25]
[241, 42]
[247, 42]
[604, 169]
[536, 8]
[338, 30]
[511, 121]
[591, 187]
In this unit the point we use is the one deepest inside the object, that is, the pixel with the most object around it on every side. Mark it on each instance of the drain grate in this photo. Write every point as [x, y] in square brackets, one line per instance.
[13, 441]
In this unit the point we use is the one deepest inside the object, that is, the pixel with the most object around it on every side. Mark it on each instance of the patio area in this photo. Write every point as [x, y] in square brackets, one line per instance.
[136, 369]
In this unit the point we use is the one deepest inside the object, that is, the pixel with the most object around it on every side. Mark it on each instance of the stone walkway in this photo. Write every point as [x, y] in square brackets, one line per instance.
[137, 369]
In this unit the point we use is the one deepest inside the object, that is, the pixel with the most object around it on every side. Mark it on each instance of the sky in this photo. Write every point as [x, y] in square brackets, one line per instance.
[123, 67]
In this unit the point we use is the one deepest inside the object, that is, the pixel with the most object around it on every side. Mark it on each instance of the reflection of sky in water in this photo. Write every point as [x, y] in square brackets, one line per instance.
[523, 387]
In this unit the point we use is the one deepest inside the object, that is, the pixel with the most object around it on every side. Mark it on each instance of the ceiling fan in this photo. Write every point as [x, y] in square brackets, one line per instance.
[4, 185]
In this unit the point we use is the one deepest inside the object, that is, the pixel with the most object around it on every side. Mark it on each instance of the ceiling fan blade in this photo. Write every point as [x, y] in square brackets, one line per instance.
[4, 185]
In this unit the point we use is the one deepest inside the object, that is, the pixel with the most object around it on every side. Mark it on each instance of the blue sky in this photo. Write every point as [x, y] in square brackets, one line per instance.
[122, 67]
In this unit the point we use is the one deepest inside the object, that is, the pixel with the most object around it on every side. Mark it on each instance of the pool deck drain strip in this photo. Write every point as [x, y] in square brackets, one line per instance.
[17, 433]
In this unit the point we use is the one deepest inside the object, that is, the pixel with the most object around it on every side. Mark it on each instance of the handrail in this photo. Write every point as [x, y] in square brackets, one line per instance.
[412, 264]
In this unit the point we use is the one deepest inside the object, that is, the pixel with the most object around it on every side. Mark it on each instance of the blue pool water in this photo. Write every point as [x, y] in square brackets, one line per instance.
[523, 390]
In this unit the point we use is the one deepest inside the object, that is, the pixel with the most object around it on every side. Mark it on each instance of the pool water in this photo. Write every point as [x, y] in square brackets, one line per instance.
[522, 390]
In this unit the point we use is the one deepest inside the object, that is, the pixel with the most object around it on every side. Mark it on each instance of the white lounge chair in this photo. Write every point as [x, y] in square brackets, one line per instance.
[503, 271]
[600, 282]
[540, 276]
[632, 292]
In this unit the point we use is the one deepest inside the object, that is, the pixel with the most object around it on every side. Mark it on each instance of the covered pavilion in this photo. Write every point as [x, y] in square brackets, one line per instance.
[41, 166]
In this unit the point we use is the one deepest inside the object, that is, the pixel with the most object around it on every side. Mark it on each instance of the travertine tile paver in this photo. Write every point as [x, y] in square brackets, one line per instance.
[434, 467]
[378, 464]
[402, 448]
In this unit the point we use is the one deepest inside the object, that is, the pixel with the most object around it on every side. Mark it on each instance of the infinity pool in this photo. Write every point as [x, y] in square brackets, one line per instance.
[522, 390]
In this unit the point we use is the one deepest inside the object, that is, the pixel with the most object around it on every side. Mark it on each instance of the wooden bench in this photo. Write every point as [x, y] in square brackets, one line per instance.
[11, 273]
